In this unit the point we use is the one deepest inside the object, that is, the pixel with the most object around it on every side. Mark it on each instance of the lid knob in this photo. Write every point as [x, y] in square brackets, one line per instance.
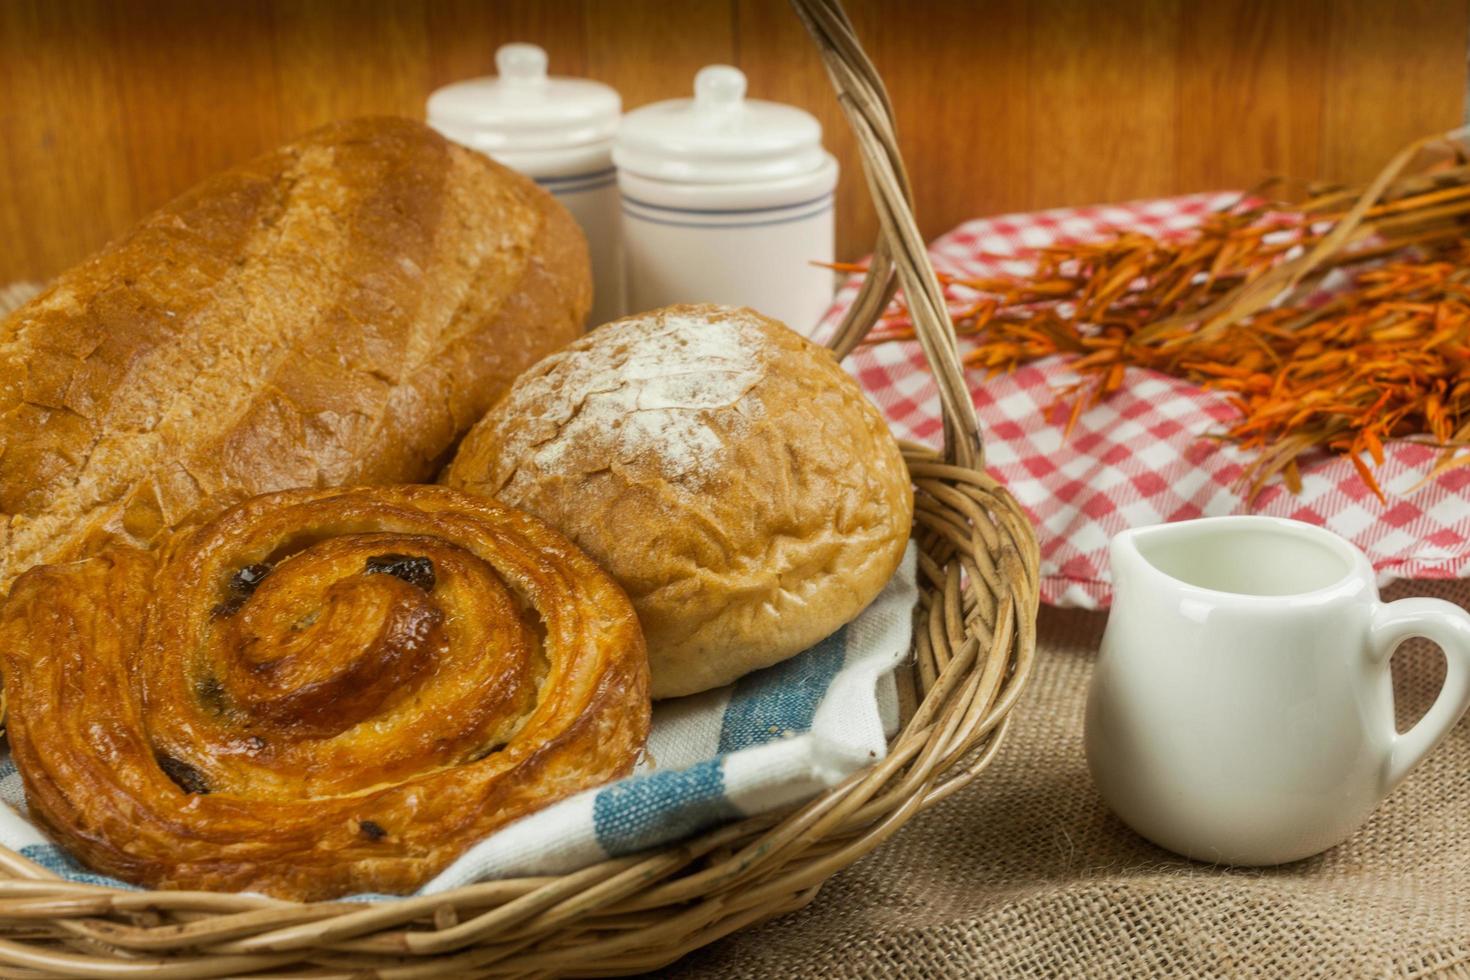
[521, 64]
[720, 136]
[718, 89]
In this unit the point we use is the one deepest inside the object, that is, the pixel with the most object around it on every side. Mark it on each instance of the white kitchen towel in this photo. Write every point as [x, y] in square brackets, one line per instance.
[771, 739]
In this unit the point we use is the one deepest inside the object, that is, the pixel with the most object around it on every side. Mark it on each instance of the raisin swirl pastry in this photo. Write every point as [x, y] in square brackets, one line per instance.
[321, 692]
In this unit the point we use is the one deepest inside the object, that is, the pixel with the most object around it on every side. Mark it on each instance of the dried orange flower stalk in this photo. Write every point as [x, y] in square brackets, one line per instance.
[1235, 306]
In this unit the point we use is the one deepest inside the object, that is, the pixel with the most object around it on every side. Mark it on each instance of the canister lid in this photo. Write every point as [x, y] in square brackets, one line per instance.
[719, 136]
[524, 109]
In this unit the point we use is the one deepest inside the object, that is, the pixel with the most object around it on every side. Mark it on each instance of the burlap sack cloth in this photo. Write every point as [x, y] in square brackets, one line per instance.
[1025, 873]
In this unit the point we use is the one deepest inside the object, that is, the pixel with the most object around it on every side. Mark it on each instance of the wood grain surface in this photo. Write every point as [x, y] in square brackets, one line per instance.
[108, 108]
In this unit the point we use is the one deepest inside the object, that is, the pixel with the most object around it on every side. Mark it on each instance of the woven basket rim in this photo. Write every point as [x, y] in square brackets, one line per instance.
[974, 642]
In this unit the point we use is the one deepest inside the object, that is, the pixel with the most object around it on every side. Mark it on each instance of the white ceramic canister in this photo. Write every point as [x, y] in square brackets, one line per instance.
[727, 200]
[557, 131]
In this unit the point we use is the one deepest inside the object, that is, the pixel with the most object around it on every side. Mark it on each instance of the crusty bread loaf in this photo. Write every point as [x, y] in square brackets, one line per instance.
[336, 312]
[727, 472]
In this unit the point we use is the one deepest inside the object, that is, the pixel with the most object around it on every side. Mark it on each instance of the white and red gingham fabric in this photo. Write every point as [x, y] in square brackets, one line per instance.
[1140, 458]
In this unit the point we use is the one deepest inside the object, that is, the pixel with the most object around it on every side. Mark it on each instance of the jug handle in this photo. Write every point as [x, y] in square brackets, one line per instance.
[1442, 623]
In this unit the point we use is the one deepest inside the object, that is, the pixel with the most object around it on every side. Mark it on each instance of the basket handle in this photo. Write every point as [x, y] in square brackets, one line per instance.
[900, 256]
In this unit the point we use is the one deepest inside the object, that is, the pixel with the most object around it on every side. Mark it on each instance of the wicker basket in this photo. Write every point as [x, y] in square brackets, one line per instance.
[973, 649]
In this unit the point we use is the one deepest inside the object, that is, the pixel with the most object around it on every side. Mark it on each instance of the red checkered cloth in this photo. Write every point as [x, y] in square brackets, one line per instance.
[1139, 458]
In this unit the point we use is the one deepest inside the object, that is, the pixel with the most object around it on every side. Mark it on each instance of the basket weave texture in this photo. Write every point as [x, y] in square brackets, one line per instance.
[973, 649]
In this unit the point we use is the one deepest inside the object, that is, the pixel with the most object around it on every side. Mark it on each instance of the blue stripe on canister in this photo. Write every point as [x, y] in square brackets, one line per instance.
[725, 224]
[592, 180]
[595, 185]
[604, 174]
[821, 199]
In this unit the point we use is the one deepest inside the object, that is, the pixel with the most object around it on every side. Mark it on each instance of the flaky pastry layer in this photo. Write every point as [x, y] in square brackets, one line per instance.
[322, 692]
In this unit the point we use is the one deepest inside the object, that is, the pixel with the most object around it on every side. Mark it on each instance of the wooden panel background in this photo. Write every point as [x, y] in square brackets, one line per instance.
[109, 108]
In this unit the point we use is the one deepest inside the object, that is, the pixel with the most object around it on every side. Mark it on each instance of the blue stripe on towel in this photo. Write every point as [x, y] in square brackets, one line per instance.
[57, 861]
[782, 698]
[660, 807]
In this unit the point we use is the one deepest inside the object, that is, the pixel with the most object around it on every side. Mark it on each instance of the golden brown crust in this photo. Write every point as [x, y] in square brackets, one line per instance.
[322, 692]
[726, 471]
[336, 312]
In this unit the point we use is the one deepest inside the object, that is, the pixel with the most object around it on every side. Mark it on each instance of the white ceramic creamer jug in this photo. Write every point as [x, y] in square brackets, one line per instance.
[557, 131]
[1242, 708]
[727, 200]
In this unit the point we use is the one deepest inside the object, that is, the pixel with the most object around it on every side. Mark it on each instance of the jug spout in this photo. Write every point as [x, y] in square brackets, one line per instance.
[1137, 551]
[1124, 558]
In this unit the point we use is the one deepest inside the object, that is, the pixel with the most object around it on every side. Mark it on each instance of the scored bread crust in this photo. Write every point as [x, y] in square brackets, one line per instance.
[338, 311]
[740, 487]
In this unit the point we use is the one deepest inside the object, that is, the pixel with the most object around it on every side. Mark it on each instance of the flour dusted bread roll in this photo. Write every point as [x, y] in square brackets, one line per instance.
[336, 312]
[727, 472]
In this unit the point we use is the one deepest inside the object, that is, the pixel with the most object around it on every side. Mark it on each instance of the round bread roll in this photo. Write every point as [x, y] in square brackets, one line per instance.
[726, 471]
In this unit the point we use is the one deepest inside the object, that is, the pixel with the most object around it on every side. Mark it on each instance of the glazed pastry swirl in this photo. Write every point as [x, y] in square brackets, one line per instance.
[321, 692]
